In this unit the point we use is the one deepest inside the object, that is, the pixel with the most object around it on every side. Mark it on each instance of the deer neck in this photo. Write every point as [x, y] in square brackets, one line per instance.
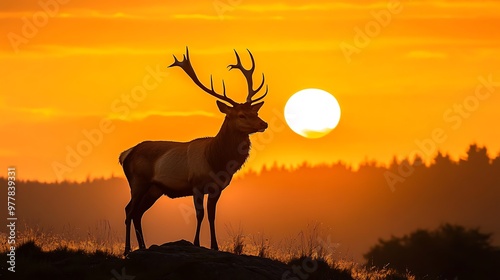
[228, 150]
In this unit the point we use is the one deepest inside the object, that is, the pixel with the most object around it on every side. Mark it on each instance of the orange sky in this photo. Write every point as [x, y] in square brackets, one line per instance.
[70, 65]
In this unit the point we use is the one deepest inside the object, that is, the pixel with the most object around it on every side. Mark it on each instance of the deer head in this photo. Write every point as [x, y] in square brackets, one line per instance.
[242, 117]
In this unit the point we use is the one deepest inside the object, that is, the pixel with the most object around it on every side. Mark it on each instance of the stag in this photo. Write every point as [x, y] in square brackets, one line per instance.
[198, 167]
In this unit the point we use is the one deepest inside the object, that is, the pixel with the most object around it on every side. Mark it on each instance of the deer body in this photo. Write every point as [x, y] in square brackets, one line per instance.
[176, 167]
[195, 168]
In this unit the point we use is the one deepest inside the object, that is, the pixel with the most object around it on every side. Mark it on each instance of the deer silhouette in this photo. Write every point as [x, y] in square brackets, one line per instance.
[195, 168]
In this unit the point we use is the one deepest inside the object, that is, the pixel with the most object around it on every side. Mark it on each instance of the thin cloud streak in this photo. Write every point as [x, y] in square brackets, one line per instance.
[135, 116]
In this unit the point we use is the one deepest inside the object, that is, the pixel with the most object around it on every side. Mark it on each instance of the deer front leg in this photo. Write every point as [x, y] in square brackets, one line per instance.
[198, 206]
[211, 204]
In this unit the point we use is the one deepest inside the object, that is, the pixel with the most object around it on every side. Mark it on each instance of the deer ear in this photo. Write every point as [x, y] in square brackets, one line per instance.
[223, 108]
[256, 107]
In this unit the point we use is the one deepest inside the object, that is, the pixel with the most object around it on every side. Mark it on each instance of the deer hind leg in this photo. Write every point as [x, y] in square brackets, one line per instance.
[145, 203]
[211, 204]
[137, 192]
[128, 220]
[200, 213]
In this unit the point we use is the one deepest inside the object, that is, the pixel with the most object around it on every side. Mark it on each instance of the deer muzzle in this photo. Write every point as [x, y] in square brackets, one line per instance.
[263, 126]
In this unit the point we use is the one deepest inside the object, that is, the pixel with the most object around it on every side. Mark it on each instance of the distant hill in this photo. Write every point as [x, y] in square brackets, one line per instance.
[356, 206]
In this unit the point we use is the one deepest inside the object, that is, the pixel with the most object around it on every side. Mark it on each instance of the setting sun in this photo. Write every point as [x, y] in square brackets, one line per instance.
[312, 113]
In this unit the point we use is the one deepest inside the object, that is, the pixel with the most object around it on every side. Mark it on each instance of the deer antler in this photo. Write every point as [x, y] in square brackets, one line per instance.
[248, 73]
[185, 64]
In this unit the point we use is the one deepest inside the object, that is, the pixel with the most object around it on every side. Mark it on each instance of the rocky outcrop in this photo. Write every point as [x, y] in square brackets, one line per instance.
[183, 260]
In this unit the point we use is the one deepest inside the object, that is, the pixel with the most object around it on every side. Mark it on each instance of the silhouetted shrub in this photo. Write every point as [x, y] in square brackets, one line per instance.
[450, 252]
[315, 269]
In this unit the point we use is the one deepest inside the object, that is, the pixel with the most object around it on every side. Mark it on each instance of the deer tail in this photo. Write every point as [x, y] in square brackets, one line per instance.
[124, 155]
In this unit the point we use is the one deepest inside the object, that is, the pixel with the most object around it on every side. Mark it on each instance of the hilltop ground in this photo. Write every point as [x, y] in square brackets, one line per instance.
[175, 260]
